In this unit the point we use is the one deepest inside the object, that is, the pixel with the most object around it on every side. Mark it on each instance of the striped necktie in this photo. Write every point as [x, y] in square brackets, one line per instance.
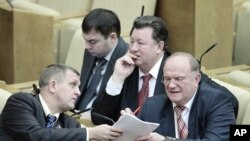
[182, 127]
[50, 121]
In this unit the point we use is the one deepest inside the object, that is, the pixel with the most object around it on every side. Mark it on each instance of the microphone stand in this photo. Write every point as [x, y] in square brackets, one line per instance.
[210, 48]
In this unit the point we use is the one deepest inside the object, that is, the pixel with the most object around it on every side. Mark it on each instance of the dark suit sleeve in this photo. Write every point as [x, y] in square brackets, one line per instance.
[108, 106]
[211, 116]
[218, 118]
[19, 119]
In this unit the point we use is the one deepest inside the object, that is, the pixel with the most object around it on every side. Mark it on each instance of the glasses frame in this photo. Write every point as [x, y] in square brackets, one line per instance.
[176, 80]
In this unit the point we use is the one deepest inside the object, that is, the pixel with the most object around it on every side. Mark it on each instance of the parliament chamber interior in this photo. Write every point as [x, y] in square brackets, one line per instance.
[36, 33]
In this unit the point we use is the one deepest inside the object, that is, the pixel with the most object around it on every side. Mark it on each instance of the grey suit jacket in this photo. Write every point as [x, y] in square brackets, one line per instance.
[210, 117]
[111, 106]
[89, 64]
[23, 119]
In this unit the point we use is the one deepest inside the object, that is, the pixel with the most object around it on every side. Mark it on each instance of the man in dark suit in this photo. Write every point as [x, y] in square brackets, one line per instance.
[101, 32]
[147, 52]
[207, 112]
[41, 117]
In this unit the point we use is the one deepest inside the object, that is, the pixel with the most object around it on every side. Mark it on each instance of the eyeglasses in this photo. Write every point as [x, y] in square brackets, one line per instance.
[176, 80]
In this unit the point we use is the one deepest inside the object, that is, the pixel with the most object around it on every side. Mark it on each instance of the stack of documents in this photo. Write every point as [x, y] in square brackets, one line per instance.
[133, 127]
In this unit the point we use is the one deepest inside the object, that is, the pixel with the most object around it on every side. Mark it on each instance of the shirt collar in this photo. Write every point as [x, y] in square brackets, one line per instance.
[154, 71]
[108, 56]
[46, 108]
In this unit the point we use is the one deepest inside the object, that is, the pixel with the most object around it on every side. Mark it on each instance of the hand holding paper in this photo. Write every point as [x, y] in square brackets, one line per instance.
[133, 127]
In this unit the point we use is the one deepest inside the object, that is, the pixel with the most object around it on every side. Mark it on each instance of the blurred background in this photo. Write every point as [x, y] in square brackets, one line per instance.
[36, 33]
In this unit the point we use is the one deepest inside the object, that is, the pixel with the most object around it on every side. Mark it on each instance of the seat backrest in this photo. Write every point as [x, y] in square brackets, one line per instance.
[4, 95]
[127, 10]
[76, 51]
[246, 118]
[243, 98]
[68, 8]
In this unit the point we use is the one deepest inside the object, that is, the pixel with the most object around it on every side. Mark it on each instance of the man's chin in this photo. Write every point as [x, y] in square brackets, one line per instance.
[137, 62]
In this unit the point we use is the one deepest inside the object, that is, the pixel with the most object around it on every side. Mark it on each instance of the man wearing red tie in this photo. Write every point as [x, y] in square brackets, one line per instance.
[137, 75]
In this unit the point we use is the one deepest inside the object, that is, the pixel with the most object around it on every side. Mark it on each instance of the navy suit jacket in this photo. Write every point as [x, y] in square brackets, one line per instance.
[210, 117]
[110, 106]
[89, 64]
[23, 119]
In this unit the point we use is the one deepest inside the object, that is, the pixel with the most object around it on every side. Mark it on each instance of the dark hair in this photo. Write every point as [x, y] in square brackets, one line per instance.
[103, 21]
[56, 71]
[158, 25]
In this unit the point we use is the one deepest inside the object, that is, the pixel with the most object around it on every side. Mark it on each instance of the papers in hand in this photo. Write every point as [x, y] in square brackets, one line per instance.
[133, 127]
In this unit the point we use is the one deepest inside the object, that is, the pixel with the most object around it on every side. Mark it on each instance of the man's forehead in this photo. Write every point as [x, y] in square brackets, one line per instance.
[92, 34]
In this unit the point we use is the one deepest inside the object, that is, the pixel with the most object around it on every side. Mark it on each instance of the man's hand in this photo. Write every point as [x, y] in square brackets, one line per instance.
[104, 133]
[126, 111]
[124, 66]
[151, 137]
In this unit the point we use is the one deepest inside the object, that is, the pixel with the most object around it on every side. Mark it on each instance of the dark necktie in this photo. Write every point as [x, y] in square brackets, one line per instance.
[91, 89]
[182, 127]
[143, 93]
[50, 121]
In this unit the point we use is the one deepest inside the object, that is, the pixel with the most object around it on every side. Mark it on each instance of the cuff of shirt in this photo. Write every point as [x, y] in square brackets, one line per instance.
[87, 137]
[113, 88]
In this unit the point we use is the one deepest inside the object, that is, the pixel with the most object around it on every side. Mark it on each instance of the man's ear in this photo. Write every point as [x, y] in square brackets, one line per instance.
[113, 36]
[52, 86]
[198, 78]
[160, 46]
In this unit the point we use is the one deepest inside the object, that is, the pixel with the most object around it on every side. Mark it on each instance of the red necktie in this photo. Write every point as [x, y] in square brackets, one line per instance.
[182, 127]
[143, 93]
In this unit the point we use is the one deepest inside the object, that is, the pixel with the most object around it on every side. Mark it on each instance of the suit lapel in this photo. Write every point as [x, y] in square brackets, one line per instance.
[167, 120]
[193, 116]
[88, 64]
[119, 51]
[40, 115]
[159, 88]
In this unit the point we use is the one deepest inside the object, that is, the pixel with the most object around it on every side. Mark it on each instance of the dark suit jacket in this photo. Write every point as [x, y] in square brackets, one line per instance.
[89, 64]
[233, 99]
[111, 106]
[210, 117]
[23, 119]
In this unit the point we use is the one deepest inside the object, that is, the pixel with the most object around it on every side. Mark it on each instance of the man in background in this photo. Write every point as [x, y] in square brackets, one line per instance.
[144, 61]
[101, 31]
[41, 117]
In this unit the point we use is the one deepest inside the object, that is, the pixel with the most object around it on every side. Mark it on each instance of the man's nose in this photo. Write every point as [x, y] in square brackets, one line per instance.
[78, 91]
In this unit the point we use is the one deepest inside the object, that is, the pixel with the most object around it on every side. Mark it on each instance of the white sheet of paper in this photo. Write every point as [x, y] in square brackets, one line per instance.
[133, 127]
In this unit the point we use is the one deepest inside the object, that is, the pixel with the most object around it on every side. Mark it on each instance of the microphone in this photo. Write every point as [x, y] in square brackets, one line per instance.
[9, 2]
[81, 111]
[210, 48]
[35, 90]
[109, 120]
[142, 10]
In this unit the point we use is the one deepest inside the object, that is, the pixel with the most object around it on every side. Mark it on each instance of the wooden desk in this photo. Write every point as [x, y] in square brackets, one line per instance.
[26, 86]
[7, 87]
